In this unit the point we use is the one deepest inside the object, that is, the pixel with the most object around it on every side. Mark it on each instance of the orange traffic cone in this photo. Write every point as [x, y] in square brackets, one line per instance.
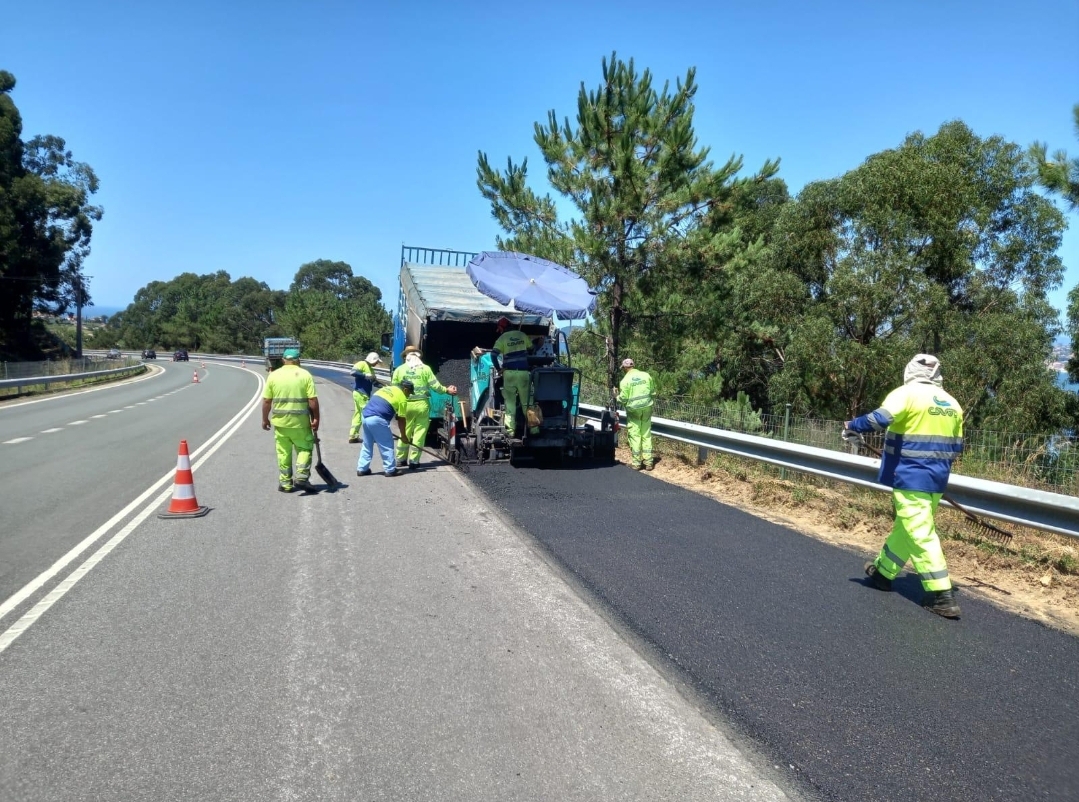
[243, 363]
[183, 504]
[195, 378]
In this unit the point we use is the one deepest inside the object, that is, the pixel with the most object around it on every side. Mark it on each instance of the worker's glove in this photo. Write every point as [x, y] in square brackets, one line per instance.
[851, 436]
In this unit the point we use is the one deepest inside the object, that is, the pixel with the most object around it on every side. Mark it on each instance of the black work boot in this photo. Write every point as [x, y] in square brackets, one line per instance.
[941, 602]
[876, 578]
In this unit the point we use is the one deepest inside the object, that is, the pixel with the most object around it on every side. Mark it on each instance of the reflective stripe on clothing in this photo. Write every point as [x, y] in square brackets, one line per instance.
[387, 403]
[289, 388]
[363, 378]
[513, 345]
[636, 389]
[914, 538]
[924, 437]
[422, 378]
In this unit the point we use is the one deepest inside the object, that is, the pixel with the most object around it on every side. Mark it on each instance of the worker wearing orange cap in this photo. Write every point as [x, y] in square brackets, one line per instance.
[513, 345]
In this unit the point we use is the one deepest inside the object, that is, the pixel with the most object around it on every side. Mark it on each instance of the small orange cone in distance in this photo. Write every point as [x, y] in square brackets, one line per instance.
[183, 504]
[195, 378]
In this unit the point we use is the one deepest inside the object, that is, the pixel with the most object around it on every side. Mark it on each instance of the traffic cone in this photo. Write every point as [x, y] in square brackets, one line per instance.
[243, 363]
[183, 504]
[195, 378]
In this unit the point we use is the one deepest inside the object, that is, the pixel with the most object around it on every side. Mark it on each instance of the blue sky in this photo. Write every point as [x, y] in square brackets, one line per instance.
[252, 137]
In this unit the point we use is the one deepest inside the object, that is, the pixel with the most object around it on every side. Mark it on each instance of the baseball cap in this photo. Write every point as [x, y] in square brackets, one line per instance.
[372, 358]
[627, 363]
[291, 353]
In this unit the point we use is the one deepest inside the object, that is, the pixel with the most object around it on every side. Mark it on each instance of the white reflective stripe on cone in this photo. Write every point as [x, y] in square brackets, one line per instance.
[183, 463]
[183, 491]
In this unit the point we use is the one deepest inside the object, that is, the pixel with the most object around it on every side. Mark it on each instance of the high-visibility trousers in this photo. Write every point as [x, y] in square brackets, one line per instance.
[302, 440]
[359, 401]
[914, 538]
[514, 389]
[639, 434]
[417, 422]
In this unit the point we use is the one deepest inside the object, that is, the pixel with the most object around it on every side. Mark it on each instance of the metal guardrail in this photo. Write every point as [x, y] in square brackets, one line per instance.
[1025, 506]
[36, 381]
[1053, 512]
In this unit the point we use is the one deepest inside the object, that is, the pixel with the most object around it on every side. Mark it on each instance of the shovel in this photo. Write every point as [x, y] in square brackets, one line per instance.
[321, 469]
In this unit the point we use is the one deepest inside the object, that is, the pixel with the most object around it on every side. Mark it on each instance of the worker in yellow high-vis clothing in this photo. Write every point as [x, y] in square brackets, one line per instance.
[635, 393]
[418, 410]
[290, 407]
[923, 428]
[513, 345]
[363, 383]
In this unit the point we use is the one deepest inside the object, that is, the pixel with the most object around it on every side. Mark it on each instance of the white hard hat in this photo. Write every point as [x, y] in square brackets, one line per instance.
[372, 358]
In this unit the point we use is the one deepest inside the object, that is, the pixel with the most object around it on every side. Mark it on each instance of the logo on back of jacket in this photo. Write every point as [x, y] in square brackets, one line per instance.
[942, 408]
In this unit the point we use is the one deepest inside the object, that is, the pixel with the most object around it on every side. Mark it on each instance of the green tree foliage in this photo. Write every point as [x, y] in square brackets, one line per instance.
[333, 312]
[46, 222]
[653, 217]
[1058, 173]
[939, 245]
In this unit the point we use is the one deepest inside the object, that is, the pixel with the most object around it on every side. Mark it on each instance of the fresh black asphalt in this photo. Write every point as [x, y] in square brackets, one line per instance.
[863, 694]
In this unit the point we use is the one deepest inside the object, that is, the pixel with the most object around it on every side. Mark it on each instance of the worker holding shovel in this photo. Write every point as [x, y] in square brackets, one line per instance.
[290, 408]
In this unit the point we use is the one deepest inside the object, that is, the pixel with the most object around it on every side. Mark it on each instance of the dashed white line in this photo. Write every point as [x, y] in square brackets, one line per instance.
[77, 422]
[50, 431]
[112, 411]
[99, 416]
[17, 440]
[130, 406]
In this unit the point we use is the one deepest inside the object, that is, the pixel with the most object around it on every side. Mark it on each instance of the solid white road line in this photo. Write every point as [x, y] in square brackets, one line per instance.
[215, 442]
[153, 374]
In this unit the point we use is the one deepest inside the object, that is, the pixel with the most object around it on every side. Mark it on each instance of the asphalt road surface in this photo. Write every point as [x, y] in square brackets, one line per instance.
[505, 633]
[393, 639]
[863, 694]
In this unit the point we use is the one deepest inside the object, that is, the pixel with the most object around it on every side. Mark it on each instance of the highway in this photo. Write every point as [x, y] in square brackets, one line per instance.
[588, 633]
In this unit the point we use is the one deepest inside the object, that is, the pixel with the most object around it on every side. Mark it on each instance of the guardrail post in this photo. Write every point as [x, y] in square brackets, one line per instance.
[703, 454]
[786, 435]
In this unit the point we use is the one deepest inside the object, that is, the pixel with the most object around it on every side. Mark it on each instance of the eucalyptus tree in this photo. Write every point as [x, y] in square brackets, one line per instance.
[644, 201]
[939, 245]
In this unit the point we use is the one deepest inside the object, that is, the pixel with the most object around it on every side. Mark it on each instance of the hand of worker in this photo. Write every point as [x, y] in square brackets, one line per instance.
[314, 424]
[266, 425]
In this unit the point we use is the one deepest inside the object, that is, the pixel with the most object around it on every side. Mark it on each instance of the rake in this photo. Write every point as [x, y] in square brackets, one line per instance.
[984, 528]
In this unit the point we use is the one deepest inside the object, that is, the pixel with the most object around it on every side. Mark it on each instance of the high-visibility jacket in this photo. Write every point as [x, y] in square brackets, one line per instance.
[387, 403]
[513, 345]
[923, 437]
[289, 387]
[423, 381]
[363, 377]
[635, 390]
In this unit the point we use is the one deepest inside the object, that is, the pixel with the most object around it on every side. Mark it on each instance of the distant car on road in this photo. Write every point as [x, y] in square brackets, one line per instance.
[114, 353]
[149, 353]
[180, 356]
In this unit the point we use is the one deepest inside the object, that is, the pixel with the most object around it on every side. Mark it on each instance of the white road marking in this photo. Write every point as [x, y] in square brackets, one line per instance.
[153, 374]
[99, 416]
[17, 440]
[111, 411]
[130, 406]
[77, 422]
[20, 626]
[50, 431]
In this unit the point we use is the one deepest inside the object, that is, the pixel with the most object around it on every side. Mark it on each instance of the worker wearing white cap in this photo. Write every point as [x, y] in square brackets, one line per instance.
[363, 378]
[418, 417]
[635, 394]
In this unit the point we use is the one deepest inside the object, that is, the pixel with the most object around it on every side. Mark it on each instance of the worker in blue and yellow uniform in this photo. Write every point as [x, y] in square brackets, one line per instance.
[513, 345]
[635, 393]
[386, 404]
[923, 428]
[290, 407]
[418, 417]
[363, 382]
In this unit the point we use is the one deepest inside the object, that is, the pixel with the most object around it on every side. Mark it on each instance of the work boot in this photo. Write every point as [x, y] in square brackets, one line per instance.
[637, 466]
[394, 472]
[284, 489]
[941, 602]
[648, 466]
[876, 578]
[364, 472]
[354, 439]
[413, 466]
[303, 484]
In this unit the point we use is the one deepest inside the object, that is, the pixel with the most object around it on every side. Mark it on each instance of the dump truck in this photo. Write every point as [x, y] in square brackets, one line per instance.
[274, 347]
[453, 324]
